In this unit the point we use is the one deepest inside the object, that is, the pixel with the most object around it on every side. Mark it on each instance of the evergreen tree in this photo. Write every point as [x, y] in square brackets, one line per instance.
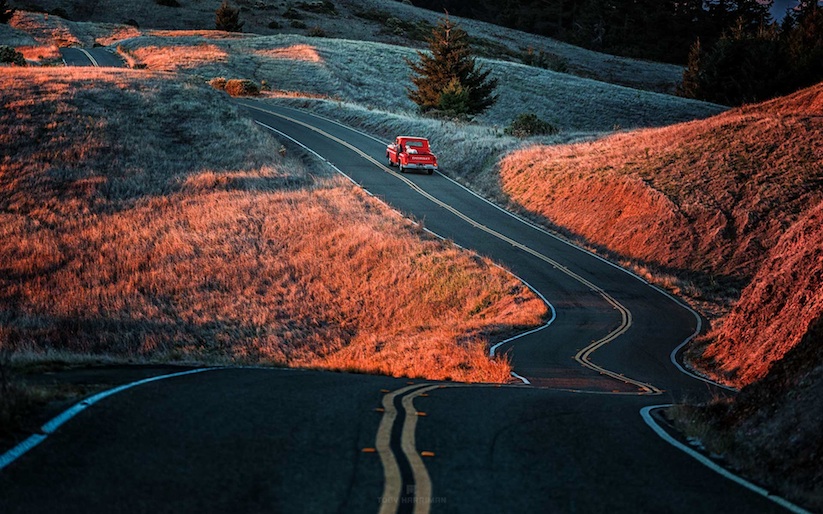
[804, 42]
[448, 79]
[692, 84]
[227, 18]
[6, 11]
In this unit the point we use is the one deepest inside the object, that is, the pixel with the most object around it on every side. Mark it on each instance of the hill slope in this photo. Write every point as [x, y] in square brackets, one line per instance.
[777, 308]
[151, 221]
[706, 197]
[386, 21]
[736, 198]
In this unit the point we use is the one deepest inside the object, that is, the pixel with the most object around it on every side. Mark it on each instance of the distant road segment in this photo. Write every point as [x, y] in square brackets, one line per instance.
[97, 57]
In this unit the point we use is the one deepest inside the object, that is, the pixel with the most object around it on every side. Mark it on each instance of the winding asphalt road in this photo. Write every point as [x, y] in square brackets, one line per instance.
[96, 56]
[263, 440]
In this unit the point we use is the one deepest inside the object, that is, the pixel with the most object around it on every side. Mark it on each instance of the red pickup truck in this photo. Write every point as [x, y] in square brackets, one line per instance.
[411, 153]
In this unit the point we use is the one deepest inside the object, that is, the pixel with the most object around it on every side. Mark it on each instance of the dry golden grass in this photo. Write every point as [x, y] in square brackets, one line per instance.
[152, 221]
[48, 30]
[208, 34]
[182, 57]
[733, 197]
[117, 33]
[293, 52]
[707, 196]
[775, 310]
[40, 53]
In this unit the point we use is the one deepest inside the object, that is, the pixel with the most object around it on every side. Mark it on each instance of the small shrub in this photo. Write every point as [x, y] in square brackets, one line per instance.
[324, 7]
[547, 61]
[168, 3]
[241, 87]
[132, 23]
[292, 14]
[227, 18]
[371, 14]
[297, 24]
[11, 56]
[274, 24]
[527, 125]
[316, 32]
[218, 83]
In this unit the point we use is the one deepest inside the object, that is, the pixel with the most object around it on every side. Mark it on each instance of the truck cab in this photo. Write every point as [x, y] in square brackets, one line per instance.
[411, 153]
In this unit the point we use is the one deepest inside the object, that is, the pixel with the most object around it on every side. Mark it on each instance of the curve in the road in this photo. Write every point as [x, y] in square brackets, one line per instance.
[56, 422]
[583, 356]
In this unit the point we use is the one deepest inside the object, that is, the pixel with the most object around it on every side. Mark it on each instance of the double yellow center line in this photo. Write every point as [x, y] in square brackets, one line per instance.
[583, 356]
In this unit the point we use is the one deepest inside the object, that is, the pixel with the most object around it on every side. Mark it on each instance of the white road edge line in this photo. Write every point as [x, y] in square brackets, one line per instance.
[92, 59]
[645, 412]
[698, 318]
[492, 349]
[55, 423]
[583, 356]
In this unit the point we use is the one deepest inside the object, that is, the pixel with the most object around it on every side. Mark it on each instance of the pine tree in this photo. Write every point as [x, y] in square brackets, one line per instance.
[6, 11]
[692, 83]
[448, 79]
[227, 18]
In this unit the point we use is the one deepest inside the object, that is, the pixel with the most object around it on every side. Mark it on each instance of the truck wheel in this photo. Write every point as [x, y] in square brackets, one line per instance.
[402, 169]
[391, 164]
[430, 172]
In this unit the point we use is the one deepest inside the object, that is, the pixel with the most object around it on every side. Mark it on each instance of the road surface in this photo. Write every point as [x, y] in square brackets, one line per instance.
[264, 440]
[97, 56]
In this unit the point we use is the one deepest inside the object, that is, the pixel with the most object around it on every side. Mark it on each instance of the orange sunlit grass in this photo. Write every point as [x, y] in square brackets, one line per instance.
[706, 196]
[151, 221]
[734, 197]
[117, 33]
[48, 30]
[208, 34]
[295, 53]
[182, 57]
[40, 54]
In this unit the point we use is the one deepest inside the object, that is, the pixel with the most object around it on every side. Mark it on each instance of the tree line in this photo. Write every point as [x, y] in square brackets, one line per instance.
[734, 50]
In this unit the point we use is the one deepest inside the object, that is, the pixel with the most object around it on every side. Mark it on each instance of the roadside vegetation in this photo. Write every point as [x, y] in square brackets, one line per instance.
[384, 21]
[723, 210]
[379, 77]
[731, 208]
[170, 229]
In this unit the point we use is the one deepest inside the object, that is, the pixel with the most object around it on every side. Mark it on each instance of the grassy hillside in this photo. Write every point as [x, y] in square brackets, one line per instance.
[772, 428]
[375, 75]
[775, 310]
[735, 200]
[385, 21]
[708, 198]
[151, 221]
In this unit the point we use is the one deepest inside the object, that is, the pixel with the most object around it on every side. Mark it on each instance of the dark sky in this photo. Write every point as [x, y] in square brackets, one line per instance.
[780, 6]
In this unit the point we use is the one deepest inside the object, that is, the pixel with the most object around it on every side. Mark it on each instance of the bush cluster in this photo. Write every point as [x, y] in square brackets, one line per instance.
[242, 87]
[545, 60]
[11, 56]
[527, 125]
[227, 18]
[323, 7]
[168, 3]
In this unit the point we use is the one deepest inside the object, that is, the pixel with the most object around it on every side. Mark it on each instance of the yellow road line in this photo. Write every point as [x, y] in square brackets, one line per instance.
[583, 355]
[390, 501]
[422, 481]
